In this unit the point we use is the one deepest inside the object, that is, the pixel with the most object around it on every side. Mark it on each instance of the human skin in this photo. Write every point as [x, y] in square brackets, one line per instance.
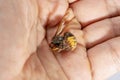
[24, 40]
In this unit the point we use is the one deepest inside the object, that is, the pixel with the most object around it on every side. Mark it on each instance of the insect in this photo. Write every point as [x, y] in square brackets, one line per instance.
[63, 41]
[66, 42]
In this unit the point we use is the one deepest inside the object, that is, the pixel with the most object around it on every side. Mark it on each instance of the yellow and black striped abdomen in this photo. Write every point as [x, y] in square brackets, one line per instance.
[71, 41]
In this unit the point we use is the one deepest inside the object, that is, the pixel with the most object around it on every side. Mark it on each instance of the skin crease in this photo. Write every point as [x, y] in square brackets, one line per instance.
[24, 44]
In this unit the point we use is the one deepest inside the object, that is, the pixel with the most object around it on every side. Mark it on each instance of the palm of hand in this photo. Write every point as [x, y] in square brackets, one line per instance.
[23, 60]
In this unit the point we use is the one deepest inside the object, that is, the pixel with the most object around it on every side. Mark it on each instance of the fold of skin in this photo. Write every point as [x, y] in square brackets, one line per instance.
[24, 44]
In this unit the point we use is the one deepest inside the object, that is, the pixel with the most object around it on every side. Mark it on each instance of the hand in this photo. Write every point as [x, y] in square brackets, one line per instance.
[25, 53]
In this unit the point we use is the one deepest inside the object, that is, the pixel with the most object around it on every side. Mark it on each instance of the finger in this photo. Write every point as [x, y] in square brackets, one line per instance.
[105, 59]
[50, 63]
[101, 31]
[74, 63]
[51, 11]
[72, 1]
[88, 12]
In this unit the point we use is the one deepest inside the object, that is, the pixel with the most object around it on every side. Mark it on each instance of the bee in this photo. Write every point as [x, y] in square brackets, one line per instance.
[63, 41]
[67, 42]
